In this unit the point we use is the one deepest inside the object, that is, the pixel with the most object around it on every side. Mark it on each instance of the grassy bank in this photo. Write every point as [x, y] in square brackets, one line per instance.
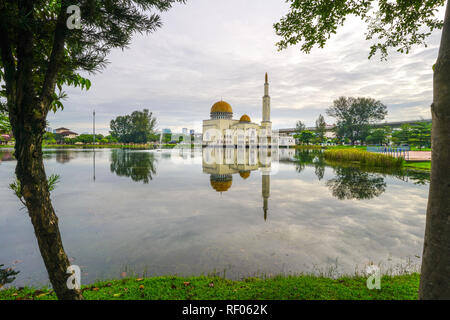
[403, 287]
[363, 157]
[340, 147]
[307, 147]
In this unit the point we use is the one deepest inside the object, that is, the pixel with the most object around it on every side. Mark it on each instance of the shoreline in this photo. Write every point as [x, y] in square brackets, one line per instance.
[301, 287]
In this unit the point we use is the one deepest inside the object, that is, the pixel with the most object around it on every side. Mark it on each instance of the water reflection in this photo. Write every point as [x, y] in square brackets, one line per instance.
[351, 183]
[139, 166]
[354, 182]
[215, 222]
[6, 155]
[7, 275]
[222, 163]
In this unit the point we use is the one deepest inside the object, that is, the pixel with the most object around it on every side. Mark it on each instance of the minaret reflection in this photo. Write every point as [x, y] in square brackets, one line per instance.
[222, 163]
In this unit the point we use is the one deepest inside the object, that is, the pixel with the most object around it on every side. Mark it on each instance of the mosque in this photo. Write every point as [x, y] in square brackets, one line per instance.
[221, 129]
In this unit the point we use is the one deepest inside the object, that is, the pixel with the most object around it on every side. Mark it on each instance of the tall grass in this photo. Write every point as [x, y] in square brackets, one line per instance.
[364, 158]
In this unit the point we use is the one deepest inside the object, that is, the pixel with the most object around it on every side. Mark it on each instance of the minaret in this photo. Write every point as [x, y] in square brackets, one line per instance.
[266, 101]
[266, 125]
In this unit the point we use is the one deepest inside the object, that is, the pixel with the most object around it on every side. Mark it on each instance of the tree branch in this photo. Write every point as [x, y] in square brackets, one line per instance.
[56, 58]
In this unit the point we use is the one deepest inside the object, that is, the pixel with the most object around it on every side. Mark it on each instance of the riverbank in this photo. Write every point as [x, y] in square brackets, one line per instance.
[373, 159]
[303, 287]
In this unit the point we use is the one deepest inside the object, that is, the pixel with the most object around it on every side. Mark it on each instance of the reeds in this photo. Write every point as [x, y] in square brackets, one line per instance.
[364, 158]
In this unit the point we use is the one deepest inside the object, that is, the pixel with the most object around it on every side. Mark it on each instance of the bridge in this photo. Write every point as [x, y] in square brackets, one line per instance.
[393, 124]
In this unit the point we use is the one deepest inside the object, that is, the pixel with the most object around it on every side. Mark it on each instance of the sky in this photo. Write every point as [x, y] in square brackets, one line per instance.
[208, 50]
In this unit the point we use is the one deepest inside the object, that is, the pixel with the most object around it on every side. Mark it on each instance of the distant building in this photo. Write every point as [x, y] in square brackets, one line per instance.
[66, 133]
[61, 130]
[192, 132]
[166, 131]
[48, 129]
[4, 138]
[69, 134]
[184, 131]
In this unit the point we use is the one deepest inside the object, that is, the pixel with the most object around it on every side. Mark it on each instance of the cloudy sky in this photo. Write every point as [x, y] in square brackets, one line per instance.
[213, 49]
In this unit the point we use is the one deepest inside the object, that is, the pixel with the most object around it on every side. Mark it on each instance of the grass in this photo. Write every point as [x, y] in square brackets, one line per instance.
[303, 287]
[341, 147]
[307, 147]
[364, 158]
[423, 165]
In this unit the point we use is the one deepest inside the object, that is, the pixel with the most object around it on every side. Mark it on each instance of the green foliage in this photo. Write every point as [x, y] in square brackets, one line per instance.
[5, 126]
[421, 135]
[320, 129]
[167, 137]
[417, 135]
[292, 287]
[355, 115]
[17, 188]
[397, 24]
[379, 136]
[305, 136]
[104, 26]
[52, 181]
[137, 127]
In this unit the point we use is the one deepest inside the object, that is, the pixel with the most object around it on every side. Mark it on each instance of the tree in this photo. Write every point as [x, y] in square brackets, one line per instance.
[355, 115]
[305, 136]
[49, 138]
[137, 127]
[403, 135]
[43, 47]
[321, 127]
[377, 136]
[299, 127]
[167, 137]
[421, 135]
[400, 25]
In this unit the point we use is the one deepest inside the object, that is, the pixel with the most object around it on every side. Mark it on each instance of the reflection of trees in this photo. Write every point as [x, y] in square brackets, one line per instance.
[314, 157]
[7, 275]
[139, 166]
[352, 183]
[64, 156]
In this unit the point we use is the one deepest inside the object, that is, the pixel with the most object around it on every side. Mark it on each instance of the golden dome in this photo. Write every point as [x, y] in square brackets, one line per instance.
[221, 106]
[221, 186]
[245, 118]
[244, 174]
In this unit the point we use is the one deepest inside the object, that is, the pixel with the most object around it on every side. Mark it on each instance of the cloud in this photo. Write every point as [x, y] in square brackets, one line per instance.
[208, 50]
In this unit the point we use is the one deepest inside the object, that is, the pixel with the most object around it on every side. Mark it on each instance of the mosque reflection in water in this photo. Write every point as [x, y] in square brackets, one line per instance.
[222, 163]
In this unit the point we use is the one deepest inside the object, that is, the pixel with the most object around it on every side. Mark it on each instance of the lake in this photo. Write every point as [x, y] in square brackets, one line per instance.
[236, 213]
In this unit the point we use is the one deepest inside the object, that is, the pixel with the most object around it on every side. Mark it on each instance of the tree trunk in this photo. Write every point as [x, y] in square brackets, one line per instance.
[34, 186]
[435, 273]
